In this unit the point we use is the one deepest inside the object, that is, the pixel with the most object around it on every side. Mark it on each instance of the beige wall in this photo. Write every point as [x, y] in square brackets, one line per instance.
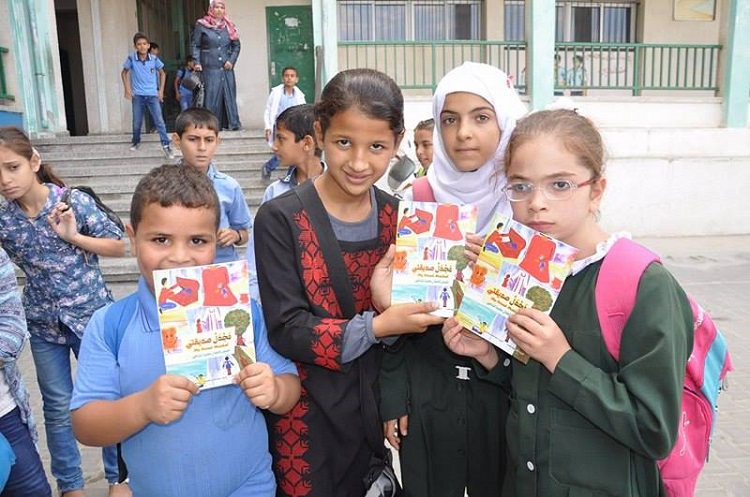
[104, 46]
[659, 26]
[9, 62]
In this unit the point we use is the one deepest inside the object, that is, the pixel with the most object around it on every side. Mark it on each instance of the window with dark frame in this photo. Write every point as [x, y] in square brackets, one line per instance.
[409, 20]
[578, 21]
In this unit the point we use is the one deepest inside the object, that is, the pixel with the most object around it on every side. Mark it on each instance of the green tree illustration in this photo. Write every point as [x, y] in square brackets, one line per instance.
[238, 318]
[541, 298]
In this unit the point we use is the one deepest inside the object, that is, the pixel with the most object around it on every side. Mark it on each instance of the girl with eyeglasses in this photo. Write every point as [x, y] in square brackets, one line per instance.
[580, 422]
[447, 424]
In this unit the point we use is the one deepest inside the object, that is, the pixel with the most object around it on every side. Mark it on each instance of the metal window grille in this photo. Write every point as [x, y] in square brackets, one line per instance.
[409, 20]
[606, 22]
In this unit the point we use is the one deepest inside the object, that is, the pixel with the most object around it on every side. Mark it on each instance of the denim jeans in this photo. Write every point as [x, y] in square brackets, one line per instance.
[140, 104]
[27, 477]
[54, 374]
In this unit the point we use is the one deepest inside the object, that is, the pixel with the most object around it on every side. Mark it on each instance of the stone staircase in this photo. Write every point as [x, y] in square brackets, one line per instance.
[105, 163]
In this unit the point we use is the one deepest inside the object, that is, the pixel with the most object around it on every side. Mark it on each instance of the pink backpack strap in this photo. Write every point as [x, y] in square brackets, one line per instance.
[617, 288]
[422, 190]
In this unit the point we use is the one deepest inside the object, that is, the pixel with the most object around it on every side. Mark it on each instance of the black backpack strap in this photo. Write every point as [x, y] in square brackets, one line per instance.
[330, 247]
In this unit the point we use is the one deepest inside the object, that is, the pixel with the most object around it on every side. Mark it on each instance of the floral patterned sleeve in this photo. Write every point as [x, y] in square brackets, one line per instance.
[91, 220]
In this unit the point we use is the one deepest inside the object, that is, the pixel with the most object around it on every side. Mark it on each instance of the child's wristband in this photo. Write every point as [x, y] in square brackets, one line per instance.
[239, 237]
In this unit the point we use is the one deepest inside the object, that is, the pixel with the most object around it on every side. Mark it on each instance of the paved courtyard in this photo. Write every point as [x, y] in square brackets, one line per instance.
[716, 271]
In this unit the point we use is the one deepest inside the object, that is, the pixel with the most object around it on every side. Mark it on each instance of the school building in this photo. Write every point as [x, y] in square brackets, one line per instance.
[668, 80]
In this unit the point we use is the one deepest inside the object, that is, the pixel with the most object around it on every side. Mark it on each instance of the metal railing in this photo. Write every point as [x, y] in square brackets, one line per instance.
[3, 87]
[415, 64]
[631, 67]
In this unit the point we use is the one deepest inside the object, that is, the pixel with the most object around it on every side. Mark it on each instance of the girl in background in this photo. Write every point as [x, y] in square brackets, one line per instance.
[56, 245]
[423, 145]
[316, 250]
[438, 414]
[582, 423]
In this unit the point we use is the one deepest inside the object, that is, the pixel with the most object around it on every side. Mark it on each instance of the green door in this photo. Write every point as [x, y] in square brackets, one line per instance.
[290, 43]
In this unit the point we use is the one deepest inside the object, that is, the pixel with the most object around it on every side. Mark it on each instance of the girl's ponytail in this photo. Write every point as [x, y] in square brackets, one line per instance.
[47, 175]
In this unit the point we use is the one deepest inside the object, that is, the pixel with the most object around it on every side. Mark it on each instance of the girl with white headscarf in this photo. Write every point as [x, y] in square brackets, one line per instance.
[448, 424]
[482, 186]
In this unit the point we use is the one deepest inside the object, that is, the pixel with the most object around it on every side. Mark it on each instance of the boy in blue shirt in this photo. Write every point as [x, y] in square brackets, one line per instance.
[177, 441]
[295, 146]
[139, 76]
[197, 137]
[184, 95]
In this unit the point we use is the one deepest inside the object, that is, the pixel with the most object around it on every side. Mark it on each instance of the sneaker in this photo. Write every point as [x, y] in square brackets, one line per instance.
[168, 152]
[134, 146]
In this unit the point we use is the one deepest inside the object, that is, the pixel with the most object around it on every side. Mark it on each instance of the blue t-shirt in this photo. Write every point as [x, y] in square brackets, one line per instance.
[144, 74]
[218, 448]
[235, 213]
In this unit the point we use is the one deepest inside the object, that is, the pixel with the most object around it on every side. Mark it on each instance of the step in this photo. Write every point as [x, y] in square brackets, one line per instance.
[82, 166]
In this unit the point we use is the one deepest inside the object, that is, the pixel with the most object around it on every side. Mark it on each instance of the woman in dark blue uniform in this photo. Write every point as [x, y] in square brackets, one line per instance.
[215, 46]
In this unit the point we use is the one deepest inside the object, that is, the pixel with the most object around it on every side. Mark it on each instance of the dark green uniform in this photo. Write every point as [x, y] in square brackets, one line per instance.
[596, 427]
[456, 421]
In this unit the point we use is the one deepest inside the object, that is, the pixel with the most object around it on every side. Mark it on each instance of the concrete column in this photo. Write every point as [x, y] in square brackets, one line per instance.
[735, 62]
[107, 28]
[38, 66]
[326, 34]
[540, 51]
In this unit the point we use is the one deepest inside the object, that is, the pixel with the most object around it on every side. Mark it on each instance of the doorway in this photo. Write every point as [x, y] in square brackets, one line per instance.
[71, 67]
[290, 43]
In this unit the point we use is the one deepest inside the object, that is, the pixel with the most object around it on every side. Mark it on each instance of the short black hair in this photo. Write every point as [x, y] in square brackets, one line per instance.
[199, 117]
[299, 119]
[290, 68]
[139, 36]
[372, 92]
[152, 45]
[174, 184]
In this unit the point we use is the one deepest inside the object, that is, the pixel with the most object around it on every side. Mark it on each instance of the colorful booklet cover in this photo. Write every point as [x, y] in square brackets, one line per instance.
[430, 252]
[205, 320]
[517, 268]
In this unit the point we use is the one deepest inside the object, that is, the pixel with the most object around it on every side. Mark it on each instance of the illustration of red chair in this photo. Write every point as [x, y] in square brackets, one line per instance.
[509, 244]
[184, 292]
[417, 223]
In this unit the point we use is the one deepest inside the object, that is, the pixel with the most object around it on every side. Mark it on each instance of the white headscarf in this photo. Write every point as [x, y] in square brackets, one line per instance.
[482, 187]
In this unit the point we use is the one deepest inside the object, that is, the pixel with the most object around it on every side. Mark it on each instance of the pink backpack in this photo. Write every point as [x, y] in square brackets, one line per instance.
[422, 190]
[709, 362]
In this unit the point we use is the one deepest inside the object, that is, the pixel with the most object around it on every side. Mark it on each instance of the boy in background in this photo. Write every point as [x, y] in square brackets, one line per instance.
[197, 137]
[294, 144]
[183, 94]
[281, 98]
[176, 441]
[139, 77]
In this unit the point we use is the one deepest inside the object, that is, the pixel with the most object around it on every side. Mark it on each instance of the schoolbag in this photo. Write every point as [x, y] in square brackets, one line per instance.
[707, 366]
[112, 215]
[422, 190]
[118, 315]
[116, 320]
